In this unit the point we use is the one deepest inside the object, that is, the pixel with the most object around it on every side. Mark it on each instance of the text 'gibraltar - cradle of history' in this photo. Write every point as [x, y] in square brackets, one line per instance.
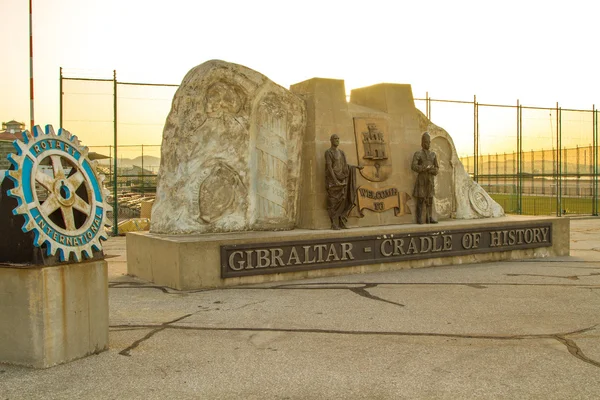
[268, 258]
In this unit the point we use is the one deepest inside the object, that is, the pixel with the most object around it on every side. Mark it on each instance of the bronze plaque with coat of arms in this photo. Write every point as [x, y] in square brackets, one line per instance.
[373, 148]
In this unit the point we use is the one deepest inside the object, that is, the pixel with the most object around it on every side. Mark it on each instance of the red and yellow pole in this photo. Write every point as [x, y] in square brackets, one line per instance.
[31, 113]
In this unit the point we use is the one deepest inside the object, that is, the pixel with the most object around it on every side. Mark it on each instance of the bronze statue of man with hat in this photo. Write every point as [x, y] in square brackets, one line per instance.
[425, 164]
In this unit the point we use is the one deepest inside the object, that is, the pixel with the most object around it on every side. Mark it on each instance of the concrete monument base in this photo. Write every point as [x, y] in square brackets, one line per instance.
[52, 315]
[195, 262]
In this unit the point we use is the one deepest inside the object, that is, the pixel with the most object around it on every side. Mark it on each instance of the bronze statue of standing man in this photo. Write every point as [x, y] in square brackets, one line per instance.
[426, 165]
[340, 181]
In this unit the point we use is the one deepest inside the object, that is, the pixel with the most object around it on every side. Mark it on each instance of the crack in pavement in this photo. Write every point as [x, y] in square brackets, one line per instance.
[570, 344]
[247, 305]
[364, 293]
[537, 260]
[159, 328]
[338, 286]
[132, 328]
[476, 286]
[164, 289]
[327, 286]
[586, 268]
[576, 351]
[571, 277]
[136, 285]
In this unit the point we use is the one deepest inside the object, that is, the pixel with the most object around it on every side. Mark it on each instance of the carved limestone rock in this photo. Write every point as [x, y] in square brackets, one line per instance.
[231, 154]
[457, 195]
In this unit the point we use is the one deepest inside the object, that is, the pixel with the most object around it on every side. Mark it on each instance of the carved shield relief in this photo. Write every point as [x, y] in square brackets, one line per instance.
[373, 148]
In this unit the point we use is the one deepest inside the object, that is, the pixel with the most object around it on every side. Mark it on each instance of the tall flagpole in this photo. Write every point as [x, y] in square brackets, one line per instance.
[31, 114]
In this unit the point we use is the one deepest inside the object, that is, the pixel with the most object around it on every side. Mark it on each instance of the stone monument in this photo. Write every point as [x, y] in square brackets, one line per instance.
[231, 154]
[244, 157]
[382, 123]
[53, 277]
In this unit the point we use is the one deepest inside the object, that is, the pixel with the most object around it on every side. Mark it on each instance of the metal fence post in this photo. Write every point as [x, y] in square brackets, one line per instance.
[595, 165]
[475, 140]
[143, 187]
[558, 162]
[115, 173]
[543, 172]
[488, 170]
[497, 176]
[110, 163]
[532, 190]
[578, 171]
[589, 168]
[565, 174]
[522, 160]
[519, 170]
[504, 180]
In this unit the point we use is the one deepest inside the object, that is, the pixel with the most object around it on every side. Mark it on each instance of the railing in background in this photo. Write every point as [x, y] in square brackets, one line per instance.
[96, 107]
[135, 179]
[510, 150]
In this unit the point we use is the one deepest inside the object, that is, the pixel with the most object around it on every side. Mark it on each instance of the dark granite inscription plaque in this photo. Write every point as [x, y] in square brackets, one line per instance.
[278, 257]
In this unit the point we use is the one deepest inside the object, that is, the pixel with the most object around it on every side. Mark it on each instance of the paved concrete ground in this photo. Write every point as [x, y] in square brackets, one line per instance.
[510, 330]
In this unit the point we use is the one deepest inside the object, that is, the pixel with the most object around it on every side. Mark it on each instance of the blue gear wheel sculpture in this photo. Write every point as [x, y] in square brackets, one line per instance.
[57, 187]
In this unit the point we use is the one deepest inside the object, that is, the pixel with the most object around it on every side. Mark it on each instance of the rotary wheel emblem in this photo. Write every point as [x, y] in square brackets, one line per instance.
[59, 193]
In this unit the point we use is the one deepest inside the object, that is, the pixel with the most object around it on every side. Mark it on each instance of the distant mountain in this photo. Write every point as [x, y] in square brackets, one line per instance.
[148, 161]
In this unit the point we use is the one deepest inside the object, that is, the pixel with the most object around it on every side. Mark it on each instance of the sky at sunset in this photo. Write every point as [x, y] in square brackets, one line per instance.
[540, 52]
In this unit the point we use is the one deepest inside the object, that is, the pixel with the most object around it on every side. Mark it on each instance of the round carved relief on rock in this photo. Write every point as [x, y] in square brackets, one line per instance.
[479, 201]
[222, 98]
[217, 192]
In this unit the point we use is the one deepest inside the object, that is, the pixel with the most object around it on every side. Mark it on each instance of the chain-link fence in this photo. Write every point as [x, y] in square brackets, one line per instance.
[532, 160]
[99, 109]
[511, 150]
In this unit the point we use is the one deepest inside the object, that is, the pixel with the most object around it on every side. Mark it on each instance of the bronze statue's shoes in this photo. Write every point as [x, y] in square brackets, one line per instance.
[432, 221]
